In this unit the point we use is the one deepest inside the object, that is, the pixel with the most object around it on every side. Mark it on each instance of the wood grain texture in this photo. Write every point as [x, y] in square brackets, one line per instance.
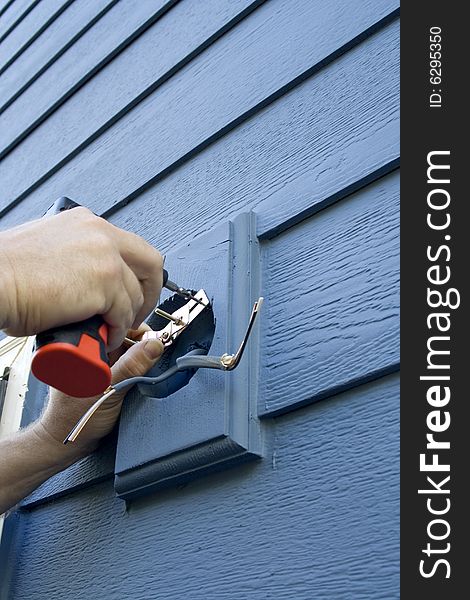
[207, 424]
[319, 520]
[332, 287]
[249, 67]
[72, 69]
[302, 198]
[303, 134]
[14, 15]
[153, 57]
[48, 47]
[12, 539]
[30, 28]
[299, 152]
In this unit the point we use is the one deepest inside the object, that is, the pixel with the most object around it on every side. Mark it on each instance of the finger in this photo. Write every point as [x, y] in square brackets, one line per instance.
[127, 304]
[137, 361]
[133, 334]
[116, 334]
[119, 317]
[145, 260]
[136, 334]
[151, 289]
[135, 293]
[147, 264]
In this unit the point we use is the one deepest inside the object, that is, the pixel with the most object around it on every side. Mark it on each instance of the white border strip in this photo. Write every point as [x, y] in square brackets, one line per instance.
[15, 353]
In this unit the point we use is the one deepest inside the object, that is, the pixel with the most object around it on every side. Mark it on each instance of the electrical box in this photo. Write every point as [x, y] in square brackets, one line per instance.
[210, 423]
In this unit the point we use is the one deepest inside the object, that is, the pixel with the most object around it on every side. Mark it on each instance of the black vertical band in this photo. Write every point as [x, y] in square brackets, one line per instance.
[434, 349]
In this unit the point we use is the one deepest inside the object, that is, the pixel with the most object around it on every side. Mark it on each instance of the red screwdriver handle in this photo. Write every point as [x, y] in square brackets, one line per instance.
[72, 358]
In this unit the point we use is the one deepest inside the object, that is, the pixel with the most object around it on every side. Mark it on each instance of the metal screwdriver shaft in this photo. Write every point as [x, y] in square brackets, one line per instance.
[183, 292]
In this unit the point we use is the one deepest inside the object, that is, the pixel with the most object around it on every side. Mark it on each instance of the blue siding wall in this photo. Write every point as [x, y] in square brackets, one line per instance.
[318, 518]
[145, 109]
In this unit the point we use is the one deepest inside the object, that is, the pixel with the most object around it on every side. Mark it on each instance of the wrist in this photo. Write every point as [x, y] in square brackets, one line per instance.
[59, 455]
[27, 459]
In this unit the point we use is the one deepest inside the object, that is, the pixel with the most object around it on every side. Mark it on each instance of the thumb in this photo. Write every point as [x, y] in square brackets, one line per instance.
[139, 359]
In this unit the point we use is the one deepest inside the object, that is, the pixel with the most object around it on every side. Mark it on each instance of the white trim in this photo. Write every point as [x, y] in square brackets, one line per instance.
[15, 353]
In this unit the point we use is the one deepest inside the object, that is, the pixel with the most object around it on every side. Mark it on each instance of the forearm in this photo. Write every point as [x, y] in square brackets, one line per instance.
[27, 459]
[32, 455]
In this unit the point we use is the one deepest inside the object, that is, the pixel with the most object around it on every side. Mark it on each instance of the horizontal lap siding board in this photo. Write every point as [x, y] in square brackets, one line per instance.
[48, 47]
[14, 15]
[4, 5]
[303, 132]
[246, 66]
[96, 47]
[31, 27]
[304, 142]
[151, 59]
[332, 300]
[318, 518]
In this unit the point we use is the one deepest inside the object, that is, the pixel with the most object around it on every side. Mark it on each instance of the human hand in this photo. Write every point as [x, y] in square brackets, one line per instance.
[62, 412]
[71, 266]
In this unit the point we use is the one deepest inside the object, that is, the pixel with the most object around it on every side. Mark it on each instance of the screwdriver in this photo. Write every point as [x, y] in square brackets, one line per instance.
[173, 287]
[73, 358]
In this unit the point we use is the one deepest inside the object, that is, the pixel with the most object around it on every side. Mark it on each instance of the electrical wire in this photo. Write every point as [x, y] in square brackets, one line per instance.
[74, 433]
[148, 380]
[186, 362]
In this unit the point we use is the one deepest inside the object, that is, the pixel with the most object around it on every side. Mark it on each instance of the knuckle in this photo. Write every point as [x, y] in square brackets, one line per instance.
[115, 269]
[112, 273]
[129, 318]
[84, 216]
[81, 212]
[139, 302]
[158, 257]
[99, 228]
[99, 242]
[111, 268]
